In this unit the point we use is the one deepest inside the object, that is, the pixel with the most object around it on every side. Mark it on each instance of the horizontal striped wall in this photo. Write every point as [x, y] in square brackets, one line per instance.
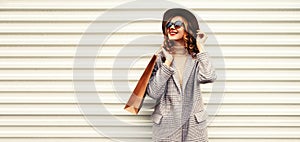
[259, 41]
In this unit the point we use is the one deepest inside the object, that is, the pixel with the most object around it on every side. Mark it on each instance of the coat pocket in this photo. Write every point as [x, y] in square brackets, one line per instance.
[201, 116]
[156, 118]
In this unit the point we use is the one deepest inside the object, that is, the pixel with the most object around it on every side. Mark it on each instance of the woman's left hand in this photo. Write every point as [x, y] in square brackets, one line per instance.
[201, 39]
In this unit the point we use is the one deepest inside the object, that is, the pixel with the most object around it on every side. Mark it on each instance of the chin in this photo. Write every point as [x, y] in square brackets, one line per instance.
[174, 38]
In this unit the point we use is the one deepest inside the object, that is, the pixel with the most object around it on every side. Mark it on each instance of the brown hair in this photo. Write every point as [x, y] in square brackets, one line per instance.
[189, 38]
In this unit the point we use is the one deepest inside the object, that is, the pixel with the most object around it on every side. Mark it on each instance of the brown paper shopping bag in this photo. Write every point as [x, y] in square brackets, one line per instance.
[136, 99]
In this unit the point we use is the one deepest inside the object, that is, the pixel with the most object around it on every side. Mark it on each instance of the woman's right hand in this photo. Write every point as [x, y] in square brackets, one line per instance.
[168, 56]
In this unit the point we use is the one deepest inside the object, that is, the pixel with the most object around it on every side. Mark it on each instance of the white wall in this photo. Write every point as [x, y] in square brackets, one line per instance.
[259, 40]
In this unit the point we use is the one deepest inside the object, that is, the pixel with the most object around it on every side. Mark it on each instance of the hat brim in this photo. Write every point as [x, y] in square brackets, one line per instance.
[189, 16]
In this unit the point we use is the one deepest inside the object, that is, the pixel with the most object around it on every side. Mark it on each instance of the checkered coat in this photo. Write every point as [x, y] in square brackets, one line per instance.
[179, 113]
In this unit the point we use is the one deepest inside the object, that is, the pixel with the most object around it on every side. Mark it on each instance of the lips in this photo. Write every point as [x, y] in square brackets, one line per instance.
[172, 33]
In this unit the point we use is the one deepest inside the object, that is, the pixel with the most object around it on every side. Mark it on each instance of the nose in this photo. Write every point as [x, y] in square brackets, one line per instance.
[172, 27]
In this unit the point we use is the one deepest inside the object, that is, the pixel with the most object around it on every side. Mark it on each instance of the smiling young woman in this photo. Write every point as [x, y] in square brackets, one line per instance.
[181, 67]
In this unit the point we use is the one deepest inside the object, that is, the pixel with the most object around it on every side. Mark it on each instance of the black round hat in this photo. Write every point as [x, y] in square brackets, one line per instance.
[189, 16]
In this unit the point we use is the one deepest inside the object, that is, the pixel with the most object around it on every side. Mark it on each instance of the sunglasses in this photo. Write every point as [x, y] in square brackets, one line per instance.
[177, 24]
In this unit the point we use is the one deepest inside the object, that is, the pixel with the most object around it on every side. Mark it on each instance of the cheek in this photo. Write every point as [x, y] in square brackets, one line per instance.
[180, 34]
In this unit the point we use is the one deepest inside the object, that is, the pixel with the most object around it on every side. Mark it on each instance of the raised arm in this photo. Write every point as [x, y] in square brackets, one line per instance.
[206, 71]
[158, 80]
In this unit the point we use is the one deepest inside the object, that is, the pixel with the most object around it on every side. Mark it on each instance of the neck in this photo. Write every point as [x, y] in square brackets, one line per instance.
[179, 50]
[179, 42]
[178, 47]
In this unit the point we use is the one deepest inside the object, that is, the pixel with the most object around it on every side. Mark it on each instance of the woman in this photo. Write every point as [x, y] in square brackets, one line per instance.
[182, 65]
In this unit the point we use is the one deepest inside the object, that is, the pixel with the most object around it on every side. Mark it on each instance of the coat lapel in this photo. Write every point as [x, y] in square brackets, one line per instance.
[175, 79]
[189, 65]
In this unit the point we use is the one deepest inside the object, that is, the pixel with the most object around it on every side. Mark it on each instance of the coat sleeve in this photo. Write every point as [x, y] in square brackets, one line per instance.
[206, 71]
[157, 84]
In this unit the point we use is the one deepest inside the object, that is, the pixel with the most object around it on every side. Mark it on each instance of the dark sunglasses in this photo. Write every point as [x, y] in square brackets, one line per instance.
[177, 24]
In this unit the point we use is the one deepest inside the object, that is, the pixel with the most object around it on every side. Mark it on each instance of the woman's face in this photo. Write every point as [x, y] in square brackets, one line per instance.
[176, 30]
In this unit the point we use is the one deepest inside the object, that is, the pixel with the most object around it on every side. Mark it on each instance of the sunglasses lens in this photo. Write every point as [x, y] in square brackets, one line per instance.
[169, 24]
[177, 24]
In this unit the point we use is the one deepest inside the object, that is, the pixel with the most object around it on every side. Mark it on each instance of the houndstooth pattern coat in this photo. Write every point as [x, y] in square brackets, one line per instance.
[179, 113]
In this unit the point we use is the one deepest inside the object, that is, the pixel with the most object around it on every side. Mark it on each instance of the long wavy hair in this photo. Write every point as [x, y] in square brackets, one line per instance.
[189, 38]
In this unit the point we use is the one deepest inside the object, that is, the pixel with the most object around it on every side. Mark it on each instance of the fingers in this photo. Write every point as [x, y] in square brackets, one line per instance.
[205, 37]
[164, 51]
[159, 49]
[201, 38]
[202, 34]
[167, 55]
